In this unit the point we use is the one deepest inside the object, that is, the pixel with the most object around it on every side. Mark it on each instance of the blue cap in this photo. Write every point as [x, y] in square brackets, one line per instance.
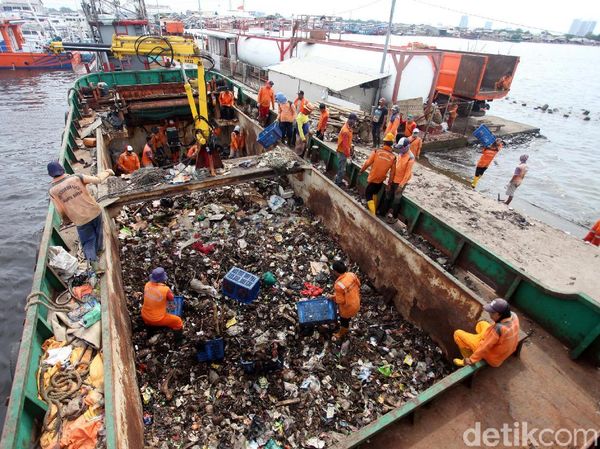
[158, 275]
[55, 169]
[280, 97]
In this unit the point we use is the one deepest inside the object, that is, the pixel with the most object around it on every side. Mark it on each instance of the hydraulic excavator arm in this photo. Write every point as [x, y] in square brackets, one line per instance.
[156, 49]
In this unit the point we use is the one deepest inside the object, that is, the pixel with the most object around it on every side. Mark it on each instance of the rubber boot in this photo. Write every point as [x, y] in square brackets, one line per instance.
[371, 206]
[475, 181]
[376, 201]
[341, 333]
[465, 352]
[459, 362]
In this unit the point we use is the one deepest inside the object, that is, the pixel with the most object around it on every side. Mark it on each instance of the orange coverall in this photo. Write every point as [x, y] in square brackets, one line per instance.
[146, 156]
[488, 156]
[266, 97]
[404, 166]
[409, 128]
[323, 119]
[154, 308]
[415, 146]
[493, 343]
[594, 235]
[226, 98]
[381, 162]
[128, 163]
[393, 125]
[347, 294]
[344, 143]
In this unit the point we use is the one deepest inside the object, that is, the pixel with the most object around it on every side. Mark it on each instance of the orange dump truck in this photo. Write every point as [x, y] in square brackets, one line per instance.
[481, 77]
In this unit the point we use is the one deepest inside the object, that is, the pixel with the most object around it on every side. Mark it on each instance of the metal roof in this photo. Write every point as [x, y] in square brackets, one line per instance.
[323, 72]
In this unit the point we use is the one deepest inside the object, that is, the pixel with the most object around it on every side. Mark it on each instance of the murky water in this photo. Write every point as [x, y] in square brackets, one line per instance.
[563, 176]
[33, 115]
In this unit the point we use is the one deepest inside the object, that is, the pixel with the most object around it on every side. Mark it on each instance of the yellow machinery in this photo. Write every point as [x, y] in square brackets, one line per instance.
[157, 48]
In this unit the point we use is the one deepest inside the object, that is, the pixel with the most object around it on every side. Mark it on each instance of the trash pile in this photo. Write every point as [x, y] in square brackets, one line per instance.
[71, 374]
[274, 384]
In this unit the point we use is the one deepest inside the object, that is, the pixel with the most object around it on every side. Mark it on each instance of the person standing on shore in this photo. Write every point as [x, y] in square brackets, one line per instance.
[74, 203]
[266, 100]
[492, 342]
[382, 162]
[516, 180]
[487, 156]
[378, 120]
[402, 174]
[346, 296]
[344, 147]
[323, 119]
[593, 236]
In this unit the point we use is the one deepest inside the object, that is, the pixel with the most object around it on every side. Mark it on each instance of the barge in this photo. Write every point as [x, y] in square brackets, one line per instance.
[422, 291]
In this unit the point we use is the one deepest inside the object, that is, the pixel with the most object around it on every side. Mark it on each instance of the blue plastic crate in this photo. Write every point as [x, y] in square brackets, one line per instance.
[484, 135]
[175, 307]
[241, 285]
[213, 351]
[270, 135]
[316, 311]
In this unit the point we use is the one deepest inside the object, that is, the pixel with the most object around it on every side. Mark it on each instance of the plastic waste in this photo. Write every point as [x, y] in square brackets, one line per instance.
[276, 202]
[64, 264]
[78, 313]
[93, 316]
[269, 279]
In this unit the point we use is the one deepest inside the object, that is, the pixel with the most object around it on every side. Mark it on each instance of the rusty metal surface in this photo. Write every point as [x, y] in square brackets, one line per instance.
[157, 104]
[148, 91]
[120, 375]
[251, 131]
[420, 289]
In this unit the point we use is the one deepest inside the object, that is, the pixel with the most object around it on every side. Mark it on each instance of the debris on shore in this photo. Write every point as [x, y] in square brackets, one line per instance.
[318, 390]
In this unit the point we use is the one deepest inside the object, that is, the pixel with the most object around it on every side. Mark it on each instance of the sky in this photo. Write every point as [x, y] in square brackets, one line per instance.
[544, 14]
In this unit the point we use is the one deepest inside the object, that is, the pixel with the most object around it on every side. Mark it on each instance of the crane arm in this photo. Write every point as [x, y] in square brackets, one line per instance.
[175, 48]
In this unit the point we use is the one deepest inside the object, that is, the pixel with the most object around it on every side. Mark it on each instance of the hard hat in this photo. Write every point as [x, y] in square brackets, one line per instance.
[389, 137]
[55, 169]
[416, 131]
[158, 275]
[129, 148]
[236, 129]
[280, 97]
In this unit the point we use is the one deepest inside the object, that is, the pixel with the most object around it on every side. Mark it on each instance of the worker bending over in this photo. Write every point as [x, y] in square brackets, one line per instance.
[236, 146]
[492, 342]
[593, 236]
[516, 180]
[128, 161]
[323, 119]
[156, 295]
[346, 296]
[74, 203]
[382, 162]
[402, 174]
[344, 147]
[487, 156]
[226, 104]
[266, 100]
[416, 143]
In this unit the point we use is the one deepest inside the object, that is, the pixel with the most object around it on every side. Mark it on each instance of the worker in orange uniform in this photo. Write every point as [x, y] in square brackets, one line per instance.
[286, 117]
[147, 153]
[75, 204]
[266, 101]
[410, 126]
[236, 146]
[492, 342]
[402, 174]
[487, 156]
[346, 296]
[344, 147]
[303, 128]
[159, 138]
[128, 161]
[323, 119]
[226, 103]
[593, 236]
[300, 102]
[416, 143]
[394, 123]
[504, 82]
[452, 114]
[156, 295]
[382, 162]
[191, 155]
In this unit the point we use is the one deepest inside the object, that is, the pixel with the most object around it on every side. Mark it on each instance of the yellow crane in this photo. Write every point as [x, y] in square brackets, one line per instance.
[174, 48]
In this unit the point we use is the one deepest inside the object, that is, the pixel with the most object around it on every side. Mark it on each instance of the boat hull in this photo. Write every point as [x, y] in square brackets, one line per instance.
[34, 61]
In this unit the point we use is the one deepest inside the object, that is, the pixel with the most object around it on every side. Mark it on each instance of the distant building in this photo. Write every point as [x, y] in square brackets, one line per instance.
[488, 25]
[464, 22]
[581, 27]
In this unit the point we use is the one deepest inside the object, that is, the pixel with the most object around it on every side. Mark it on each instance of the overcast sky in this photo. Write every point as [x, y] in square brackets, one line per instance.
[545, 14]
